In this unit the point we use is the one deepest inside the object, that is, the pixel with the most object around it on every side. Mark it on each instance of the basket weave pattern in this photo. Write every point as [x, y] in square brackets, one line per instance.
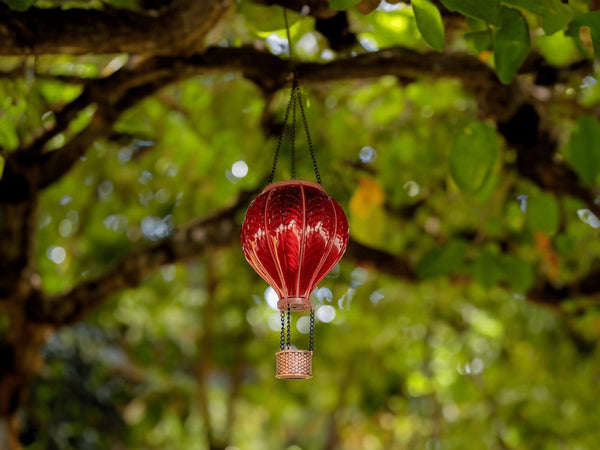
[294, 364]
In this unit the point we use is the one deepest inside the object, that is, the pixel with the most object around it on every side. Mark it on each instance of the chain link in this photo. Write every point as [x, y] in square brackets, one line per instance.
[311, 335]
[280, 140]
[282, 335]
[289, 322]
[295, 95]
[311, 149]
[295, 91]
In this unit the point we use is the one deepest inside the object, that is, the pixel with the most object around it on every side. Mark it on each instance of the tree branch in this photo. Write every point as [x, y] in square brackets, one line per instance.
[381, 261]
[114, 94]
[522, 125]
[180, 29]
[550, 295]
[219, 229]
[52, 166]
[187, 242]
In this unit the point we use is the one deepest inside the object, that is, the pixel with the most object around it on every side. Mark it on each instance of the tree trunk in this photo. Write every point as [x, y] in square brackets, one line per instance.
[20, 339]
[9, 436]
[21, 360]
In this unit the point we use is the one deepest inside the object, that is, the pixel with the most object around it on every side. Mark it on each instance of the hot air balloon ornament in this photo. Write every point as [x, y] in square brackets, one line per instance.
[292, 236]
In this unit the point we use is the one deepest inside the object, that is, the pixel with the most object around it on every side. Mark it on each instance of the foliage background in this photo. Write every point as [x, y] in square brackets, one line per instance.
[456, 355]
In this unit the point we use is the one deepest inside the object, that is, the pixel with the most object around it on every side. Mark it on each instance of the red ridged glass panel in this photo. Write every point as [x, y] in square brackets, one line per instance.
[293, 235]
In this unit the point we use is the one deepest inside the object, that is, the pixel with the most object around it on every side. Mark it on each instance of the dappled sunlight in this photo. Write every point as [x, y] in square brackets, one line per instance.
[56, 254]
[367, 154]
[325, 313]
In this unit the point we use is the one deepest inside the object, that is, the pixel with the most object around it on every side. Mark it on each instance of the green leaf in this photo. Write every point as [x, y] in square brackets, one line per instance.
[1, 166]
[555, 14]
[517, 273]
[442, 261]
[558, 49]
[342, 5]
[487, 269]
[487, 10]
[511, 43]
[266, 18]
[429, 22]
[542, 214]
[592, 21]
[583, 149]
[473, 156]
[481, 40]
[490, 269]
[19, 5]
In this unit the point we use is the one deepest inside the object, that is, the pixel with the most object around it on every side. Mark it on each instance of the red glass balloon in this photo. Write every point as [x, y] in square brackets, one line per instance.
[292, 236]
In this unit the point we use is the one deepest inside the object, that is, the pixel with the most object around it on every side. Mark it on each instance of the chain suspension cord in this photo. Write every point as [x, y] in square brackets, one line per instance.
[311, 335]
[296, 92]
[295, 89]
[280, 140]
[289, 321]
[293, 96]
[282, 335]
[311, 149]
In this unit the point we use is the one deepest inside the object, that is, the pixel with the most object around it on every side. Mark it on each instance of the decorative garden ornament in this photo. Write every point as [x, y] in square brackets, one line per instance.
[292, 236]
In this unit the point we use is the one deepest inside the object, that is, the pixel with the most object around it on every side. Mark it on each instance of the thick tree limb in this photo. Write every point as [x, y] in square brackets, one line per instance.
[586, 286]
[114, 94]
[179, 29]
[519, 121]
[220, 229]
[187, 242]
[52, 166]
[381, 261]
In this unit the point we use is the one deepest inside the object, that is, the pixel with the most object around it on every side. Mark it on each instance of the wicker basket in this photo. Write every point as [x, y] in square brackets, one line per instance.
[294, 364]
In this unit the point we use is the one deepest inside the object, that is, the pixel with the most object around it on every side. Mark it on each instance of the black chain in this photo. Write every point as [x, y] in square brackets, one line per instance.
[280, 140]
[295, 91]
[289, 321]
[282, 336]
[295, 95]
[311, 149]
[311, 335]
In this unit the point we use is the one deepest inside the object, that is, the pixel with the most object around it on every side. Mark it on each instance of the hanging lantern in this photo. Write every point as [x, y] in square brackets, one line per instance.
[292, 236]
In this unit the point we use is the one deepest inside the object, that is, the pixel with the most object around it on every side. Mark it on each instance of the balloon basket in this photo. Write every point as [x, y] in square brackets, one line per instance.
[294, 364]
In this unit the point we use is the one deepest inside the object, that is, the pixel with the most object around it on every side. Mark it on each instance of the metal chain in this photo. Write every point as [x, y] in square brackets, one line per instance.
[280, 140]
[289, 321]
[282, 336]
[311, 335]
[293, 130]
[311, 149]
[295, 94]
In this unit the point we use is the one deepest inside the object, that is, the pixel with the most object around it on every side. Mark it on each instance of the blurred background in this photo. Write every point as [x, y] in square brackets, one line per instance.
[437, 337]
